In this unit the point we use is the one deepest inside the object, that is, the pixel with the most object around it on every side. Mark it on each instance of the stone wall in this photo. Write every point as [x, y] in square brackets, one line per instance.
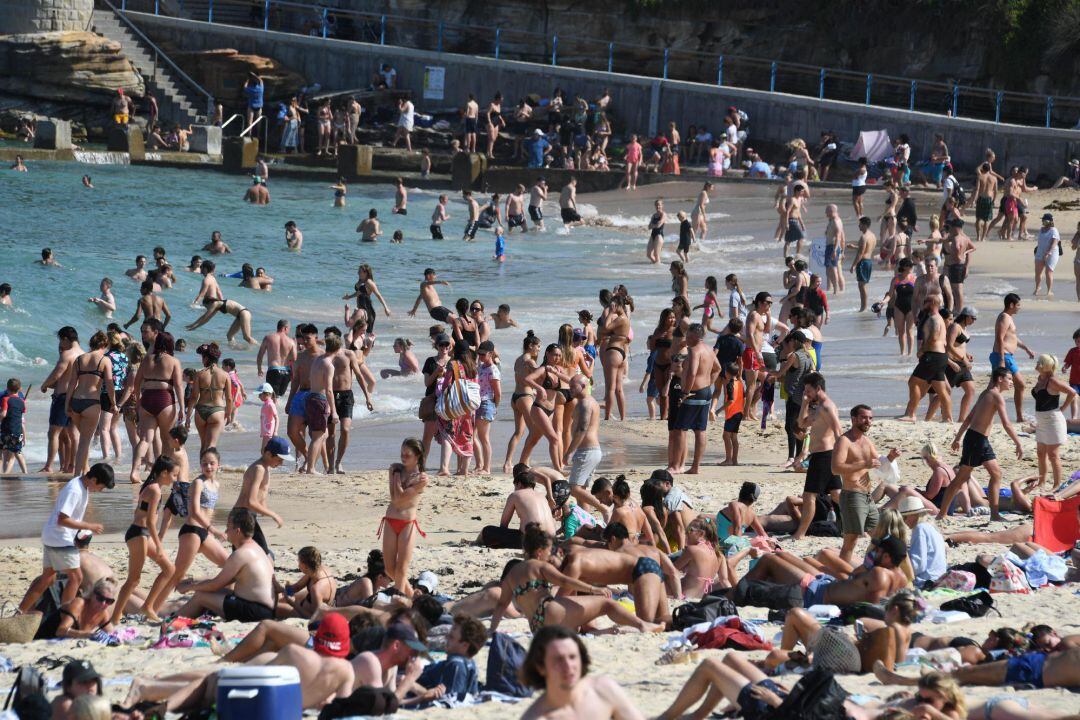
[33, 16]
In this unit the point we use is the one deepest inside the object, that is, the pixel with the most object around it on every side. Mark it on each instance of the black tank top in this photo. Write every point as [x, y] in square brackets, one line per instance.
[1044, 400]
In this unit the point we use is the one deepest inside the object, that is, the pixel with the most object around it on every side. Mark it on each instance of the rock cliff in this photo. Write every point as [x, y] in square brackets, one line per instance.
[223, 72]
[69, 67]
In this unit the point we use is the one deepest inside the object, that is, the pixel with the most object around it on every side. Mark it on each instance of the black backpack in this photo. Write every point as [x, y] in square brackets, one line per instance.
[959, 195]
[363, 701]
[817, 696]
[27, 695]
[774, 596]
[975, 605]
[707, 609]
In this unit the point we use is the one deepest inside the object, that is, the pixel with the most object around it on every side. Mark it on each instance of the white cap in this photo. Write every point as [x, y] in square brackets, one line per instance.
[429, 581]
[265, 388]
[538, 132]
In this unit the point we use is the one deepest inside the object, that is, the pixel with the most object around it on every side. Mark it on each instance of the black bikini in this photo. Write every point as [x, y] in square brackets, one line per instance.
[81, 405]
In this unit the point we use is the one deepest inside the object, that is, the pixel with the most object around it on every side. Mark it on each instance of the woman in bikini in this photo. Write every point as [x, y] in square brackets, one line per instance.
[399, 526]
[365, 289]
[660, 342]
[521, 401]
[528, 586]
[615, 341]
[128, 398]
[213, 400]
[197, 534]
[372, 581]
[680, 281]
[629, 513]
[573, 363]
[545, 380]
[158, 385]
[83, 616]
[316, 588]
[242, 323]
[480, 318]
[710, 304]
[90, 378]
[701, 560]
[465, 328]
[142, 539]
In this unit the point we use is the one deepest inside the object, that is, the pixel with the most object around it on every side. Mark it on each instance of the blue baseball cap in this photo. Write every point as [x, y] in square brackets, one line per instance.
[279, 447]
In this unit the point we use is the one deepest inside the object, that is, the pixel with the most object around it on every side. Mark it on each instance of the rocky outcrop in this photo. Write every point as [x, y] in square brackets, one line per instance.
[70, 67]
[223, 72]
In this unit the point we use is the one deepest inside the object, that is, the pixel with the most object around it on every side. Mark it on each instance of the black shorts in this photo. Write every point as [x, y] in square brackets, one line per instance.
[470, 125]
[260, 539]
[470, 229]
[436, 232]
[570, 215]
[794, 232]
[957, 378]
[858, 191]
[819, 475]
[58, 416]
[536, 213]
[440, 313]
[187, 529]
[239, 609]
[931, 367]
[513, 221]
[694, 411]
[976, 449]
[501, 538]
[344, 400]
[400, 211]
[732, 423]
[279, 379]
[957, 273]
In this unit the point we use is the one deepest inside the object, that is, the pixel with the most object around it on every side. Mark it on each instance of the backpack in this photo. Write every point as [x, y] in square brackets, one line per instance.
[460, 397]
[27, 695]
[959, 195]
[707, 609]
[505, 658]
[364, 701]
[976, 605]
[817, 696]
[767, 595]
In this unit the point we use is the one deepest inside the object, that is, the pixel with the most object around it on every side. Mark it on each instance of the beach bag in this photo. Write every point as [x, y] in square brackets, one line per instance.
[363, 701]
[707, 609]
[426, 411]
[959, 195]
[774, 596]
[19, 628]
[960, 580]
[27, 695]
[460, 397]
[976, 605]
[1007, 578]
[732, 635]
[505, 658]
[817, 696]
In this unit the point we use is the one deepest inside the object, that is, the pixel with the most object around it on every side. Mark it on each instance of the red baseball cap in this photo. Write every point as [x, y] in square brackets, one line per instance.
[332, 637]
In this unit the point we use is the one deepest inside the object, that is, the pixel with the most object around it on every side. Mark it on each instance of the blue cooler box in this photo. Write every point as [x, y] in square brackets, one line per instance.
[259, 693]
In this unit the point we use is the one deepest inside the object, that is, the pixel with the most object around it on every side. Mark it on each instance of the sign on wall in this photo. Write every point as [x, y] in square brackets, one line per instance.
[434, 82]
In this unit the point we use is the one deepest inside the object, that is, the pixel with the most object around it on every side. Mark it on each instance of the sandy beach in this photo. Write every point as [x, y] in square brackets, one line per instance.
[340, 514]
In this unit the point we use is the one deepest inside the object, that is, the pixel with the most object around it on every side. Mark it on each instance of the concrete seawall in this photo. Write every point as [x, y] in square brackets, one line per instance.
[640, 103]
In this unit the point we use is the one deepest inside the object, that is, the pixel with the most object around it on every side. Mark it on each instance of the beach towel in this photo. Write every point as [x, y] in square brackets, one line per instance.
[732, 635]
[1056, 525]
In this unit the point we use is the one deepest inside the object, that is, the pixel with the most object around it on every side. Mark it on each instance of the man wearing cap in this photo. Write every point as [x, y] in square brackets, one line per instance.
[853, 458]
[279, 351]
[700, 371]
[539, 148]
[955, 251]
[256, 487]
[400, 649]
[862, 263]
[927, 551]
[1047, 253]
[1006, 340]
[537, 195]
[79, 678]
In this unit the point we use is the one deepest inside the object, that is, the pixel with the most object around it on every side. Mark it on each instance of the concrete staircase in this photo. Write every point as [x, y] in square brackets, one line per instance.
[175, 102]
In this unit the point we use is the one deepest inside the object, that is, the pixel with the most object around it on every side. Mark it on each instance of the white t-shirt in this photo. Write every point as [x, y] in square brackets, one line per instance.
[407, 113]
[859, 180]
[389, 77]
[735, 302]
[732, 134]
[1048, 237]
[72, 503]
[947, 188]
[485, 376]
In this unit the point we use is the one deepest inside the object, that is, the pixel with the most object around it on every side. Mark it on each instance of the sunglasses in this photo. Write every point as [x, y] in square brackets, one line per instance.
[104, 600]
[476, 309]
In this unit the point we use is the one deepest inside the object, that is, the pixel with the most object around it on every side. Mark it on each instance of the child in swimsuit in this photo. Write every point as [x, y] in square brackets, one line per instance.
[407, 483]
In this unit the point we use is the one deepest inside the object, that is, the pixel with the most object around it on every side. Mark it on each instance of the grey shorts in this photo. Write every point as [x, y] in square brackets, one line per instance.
[583, 463]
[61, 558]
[858, 513]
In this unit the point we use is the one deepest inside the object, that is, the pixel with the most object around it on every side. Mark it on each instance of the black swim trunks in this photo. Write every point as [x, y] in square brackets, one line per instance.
[237, 608]
[440, 313]
[957, 273]
[516, 220]
[570, 215]
[957, 377]
[343, 403]
[436, 232]
[279, 378]
[470, 229]
[536, 213]
[694, 410]
[819, 474]
[931, 367]
[58, 416]
[976, 449]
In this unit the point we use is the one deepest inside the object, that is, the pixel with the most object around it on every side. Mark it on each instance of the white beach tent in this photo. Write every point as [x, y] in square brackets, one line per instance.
[874, 145]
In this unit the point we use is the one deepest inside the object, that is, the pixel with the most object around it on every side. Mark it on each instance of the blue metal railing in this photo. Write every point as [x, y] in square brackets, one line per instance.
[946, 98]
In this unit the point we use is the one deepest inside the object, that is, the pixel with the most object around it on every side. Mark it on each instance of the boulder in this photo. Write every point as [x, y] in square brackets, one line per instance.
[72, 67]
[223, 72]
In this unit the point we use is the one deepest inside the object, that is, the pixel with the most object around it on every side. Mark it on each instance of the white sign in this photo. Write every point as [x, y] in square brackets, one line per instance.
[817, 257]
[434, 82]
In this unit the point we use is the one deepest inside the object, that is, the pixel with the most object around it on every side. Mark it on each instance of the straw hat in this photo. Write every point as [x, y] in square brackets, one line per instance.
[912, 505]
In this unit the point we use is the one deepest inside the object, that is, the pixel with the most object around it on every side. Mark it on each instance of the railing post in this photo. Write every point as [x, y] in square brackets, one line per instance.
[266, 15]
[440, 35]
[720, 71]
[1049, 109]
[997, 105]
[324, 23]
[157, 10]
[772, 77]
[610, 56]
[869, 85]
[123, 5]
[821, 85]
[554, 48]
[911, 102]
[955, 99]
[210, 11]
[382, 30]
[498, 33]
[665, 62]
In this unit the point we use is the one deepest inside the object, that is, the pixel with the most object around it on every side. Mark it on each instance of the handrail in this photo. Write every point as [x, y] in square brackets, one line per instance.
[226, 123]
[898, 91]
[159, 52]
[249, 127]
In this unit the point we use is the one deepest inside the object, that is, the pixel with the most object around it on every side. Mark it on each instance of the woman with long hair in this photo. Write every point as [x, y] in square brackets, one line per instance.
[615, 340]
[143, 541]
[660, 343]
[456, 436]
[521, 401]
[680, 281]
[399, 526]
[701, 560]
[213, 397]
[129, 399]
[681, 306]
[196, 502]
[545, 381]
[89, 377]
[573, 363]
[159, 386]
[109, 425]
[365, 289]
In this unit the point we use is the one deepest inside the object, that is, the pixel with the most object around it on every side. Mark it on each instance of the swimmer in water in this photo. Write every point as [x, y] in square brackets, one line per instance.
[105, 302]
[340, 191]
[502, 319]
[257, 194]
[294, 239]
[401, 198]
[217, 246]
[5, 295]
[138, 273]
[47, 259]
[19, 166]
[370, 229]
[87, 182]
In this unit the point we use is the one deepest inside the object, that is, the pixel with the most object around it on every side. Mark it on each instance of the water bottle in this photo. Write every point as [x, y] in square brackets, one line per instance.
[831, 517]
